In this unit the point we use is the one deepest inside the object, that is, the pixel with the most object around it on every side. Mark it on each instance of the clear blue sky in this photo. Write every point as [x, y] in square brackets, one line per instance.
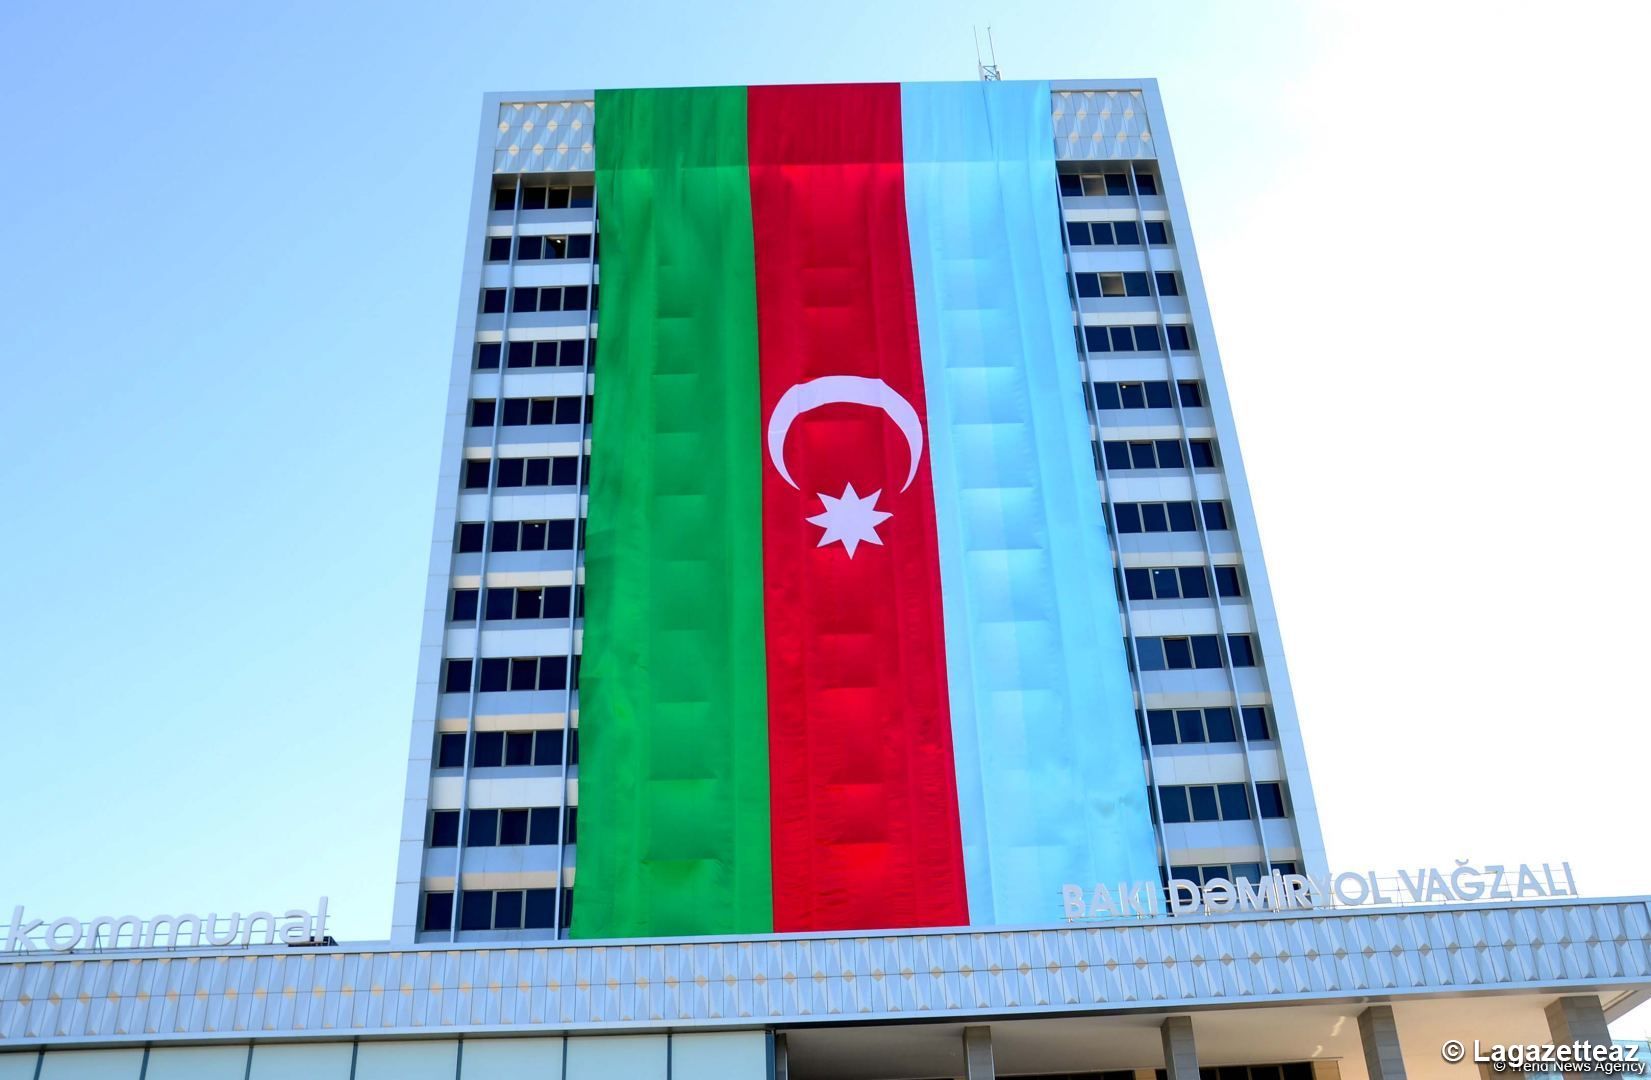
[228, 267]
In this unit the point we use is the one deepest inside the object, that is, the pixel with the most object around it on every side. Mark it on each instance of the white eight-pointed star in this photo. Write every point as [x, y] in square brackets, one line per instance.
[850, 519]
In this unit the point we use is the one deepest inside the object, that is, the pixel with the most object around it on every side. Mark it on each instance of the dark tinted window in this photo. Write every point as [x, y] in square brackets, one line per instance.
[1206, 652]
[1234, 805]
[1180, 517]
[540, 911]
[482, 829]
[1174, 802]
[487, 356]
[1202, 799]
[493, 301]
[1219, 723]
[476, 910]
[458, 677]
[438, 911]
[1271, 799]
[1179, 338]
[1191, 394]
[495, 675]
[1242, 647]
[464, 605]
[1215, 516]
[481, 414]
[1117, 184]
[444, 828]
[489, 750]
[1157, 232]
[1226, 581]
[1126, 232]
[476, 473]
[507, 910]
[498, 249]
[504, 198]
[1203, 453]
[471, 534]
[1255, 723]
[1157, 395]
[451, 752]
[1135, 284]
[1168, 285]
[512, 827]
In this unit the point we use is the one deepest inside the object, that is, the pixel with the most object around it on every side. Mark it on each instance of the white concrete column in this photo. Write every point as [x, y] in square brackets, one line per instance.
[977, 1053]
[1180, 1052]
[1578, 1018]
[1380, 1036]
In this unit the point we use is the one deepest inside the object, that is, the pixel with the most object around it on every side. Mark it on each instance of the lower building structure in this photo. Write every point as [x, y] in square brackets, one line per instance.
[1348, 994]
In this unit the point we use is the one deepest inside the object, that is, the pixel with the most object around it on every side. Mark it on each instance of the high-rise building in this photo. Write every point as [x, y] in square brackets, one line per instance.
[493, 778]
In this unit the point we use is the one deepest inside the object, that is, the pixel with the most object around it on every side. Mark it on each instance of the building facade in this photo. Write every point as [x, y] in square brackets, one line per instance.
[493, 776]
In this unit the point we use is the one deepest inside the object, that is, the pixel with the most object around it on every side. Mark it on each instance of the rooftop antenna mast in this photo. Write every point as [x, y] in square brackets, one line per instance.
[988, 72]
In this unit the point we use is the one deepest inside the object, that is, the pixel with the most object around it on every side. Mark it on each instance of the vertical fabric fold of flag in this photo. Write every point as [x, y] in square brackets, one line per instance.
[1050, 779]
[673, 791]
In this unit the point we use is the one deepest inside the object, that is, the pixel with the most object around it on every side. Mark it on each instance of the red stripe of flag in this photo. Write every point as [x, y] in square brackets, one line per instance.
[864, 827]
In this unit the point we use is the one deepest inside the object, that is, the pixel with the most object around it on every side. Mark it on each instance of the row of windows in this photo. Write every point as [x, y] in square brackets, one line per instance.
[527, 412]
[1193, 652]
[1108, 183]
[1114, 233]
[1216, 802]
[501, 909]
[1168, 517]
[1100, 339]
[1179, 582]
[545, 196]
[568, 352]
[1171, 727]
[1249, 871]
[535, 602]
[497, 749]
[518, 472]
[500, 673]
[1157, 454]
[540, 298]
[539, 248]
[555, 535]
[1115, 396]
[1128, 283]
[534, 826]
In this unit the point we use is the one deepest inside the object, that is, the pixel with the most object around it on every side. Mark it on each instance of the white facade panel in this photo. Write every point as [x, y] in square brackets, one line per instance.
[513, 1059]
[197, 1063]
[407, 1060]
[732, 1055]
[92, 1065]
[634, 1057]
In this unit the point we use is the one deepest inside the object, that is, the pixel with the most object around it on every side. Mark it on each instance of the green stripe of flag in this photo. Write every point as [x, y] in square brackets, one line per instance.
[673, 786]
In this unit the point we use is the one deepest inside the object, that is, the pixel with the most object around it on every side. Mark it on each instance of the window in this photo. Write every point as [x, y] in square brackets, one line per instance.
[510, 827]
[1100, 339]
[1145, 182]
[522, 412]
[1171, 727]
[533, 535]
[565, 353]
[1215, 516]
[548, 602]
[1167, 582]
[1204, 802]
[444, 828]
[500, 674]
[501, 749]
[476, 473]
[487, 356]
[1154, 517]
[505, 909]
[1256, 726]
[464, 605]
[470, 537]
[1271, 799]
[1157, 232]
[1242, 648]
[1201, 875]
[1169, 283]
[438, 911]
[1179, 338]
[1181, 653]
[481, 413]
[1128, 283]
[1202, 453]
[1226, 581]
[1191, 392]
[457, 679]
[546, 197]
[450, 750]
[1111, 396]
[538, 472]
[548, 298]
[539, 248]
[498, 249]
[1103, 233]
[1143, 454]
[493, 301]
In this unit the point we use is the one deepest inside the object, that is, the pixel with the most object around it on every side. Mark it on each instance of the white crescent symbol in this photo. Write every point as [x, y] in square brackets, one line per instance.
[849, 390]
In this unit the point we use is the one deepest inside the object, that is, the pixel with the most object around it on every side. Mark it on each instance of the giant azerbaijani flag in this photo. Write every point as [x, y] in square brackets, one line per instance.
[851, 652]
